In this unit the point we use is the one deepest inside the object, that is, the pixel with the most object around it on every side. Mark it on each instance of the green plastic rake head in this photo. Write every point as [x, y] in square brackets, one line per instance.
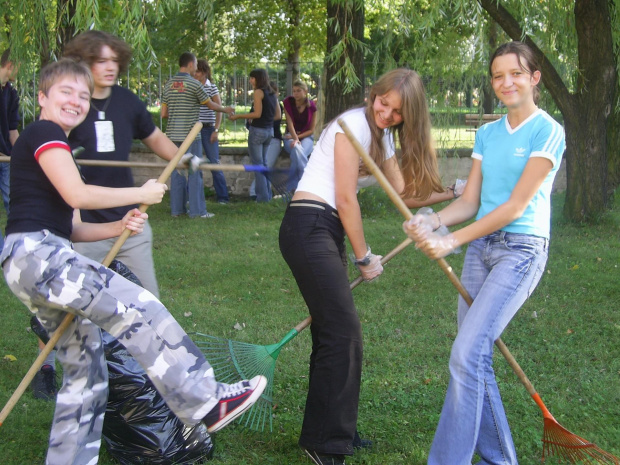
[232, 360]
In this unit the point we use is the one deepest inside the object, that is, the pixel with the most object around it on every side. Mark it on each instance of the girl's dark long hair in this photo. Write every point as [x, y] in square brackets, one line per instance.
[262, 79]
[525, 56]
[204, 67]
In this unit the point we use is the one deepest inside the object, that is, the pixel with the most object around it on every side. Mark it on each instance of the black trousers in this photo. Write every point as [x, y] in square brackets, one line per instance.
[312, 243]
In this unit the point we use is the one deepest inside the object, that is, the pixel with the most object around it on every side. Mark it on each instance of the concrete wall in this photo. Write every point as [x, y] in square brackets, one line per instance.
[452, 164]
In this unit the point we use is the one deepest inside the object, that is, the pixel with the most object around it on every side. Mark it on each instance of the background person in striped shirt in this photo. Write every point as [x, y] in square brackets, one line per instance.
[181, 102]
[211, 121]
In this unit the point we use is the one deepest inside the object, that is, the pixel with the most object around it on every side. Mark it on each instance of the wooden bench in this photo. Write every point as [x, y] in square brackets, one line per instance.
[476, 120]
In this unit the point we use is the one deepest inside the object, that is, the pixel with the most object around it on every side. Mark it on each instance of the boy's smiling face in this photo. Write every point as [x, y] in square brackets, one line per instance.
[67, 102]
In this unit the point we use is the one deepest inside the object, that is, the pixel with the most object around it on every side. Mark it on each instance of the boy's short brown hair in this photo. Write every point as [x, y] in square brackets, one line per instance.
[5, 58]
[56, 70]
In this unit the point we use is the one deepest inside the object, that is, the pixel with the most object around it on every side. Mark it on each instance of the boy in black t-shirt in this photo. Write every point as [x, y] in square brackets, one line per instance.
[50, 278]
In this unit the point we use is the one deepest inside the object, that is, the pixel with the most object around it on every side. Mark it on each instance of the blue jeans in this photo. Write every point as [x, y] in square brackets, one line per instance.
[500, 272]
[187, 189]
[4, 184]
[258, 144]
[299, 159]
[273, 152]
[212, 150]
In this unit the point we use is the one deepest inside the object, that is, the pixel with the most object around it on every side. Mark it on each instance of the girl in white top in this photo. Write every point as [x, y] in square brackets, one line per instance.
[323, 210]
[515, 160]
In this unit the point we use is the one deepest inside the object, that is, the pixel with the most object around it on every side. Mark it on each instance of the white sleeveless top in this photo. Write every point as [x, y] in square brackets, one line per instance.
[318, 177]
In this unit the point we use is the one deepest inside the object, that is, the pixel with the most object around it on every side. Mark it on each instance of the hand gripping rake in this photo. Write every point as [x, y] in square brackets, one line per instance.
[54, 338]
[232, 359]
[557, 440]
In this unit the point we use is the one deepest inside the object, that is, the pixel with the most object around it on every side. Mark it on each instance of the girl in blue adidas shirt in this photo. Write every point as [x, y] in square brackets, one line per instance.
[515, 160]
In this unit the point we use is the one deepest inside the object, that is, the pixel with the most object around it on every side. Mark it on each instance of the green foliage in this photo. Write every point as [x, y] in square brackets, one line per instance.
[243, 31]
[228, 270]
[37, 29]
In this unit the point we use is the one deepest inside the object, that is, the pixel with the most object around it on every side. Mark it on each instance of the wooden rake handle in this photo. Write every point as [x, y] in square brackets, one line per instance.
[386, 258]
[152, 164]
[447, 269]
[55, 337]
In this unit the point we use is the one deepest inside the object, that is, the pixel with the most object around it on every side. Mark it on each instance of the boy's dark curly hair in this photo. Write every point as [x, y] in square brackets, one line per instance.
[86, 47]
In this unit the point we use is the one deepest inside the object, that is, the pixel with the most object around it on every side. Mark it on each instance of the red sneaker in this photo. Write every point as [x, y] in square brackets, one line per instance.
[234, 400]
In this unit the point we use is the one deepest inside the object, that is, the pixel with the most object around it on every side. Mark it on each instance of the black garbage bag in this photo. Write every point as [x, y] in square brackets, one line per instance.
[139, 428]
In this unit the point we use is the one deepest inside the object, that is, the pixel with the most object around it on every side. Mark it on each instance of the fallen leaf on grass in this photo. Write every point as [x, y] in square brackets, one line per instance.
[574, 267]
[186, 314]
[10, 358]
[569, 331]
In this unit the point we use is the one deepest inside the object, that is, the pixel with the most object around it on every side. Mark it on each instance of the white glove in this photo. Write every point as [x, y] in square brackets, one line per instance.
[459, 187]
[186, 158]
[192, 161]
[373, 269]
[436, 245]
[422, 224]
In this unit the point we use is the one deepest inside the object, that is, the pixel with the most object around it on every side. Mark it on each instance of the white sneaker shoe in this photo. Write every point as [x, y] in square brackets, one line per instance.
[235, 399]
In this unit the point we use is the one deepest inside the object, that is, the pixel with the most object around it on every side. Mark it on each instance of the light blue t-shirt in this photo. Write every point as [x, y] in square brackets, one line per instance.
[504, 152]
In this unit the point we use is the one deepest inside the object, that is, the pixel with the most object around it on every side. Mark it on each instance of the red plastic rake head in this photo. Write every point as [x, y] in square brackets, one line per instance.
[569, 447]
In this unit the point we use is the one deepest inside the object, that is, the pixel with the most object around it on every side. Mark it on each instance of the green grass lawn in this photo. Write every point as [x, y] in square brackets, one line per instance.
[215, 273]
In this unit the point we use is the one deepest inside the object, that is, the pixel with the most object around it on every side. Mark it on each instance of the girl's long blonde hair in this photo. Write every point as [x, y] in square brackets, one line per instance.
[418, 157]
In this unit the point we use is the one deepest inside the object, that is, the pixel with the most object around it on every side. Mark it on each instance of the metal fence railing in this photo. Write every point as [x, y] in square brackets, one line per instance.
[450, 97]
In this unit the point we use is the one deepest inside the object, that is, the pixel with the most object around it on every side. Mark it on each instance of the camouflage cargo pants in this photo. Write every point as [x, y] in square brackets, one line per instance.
[50, 278]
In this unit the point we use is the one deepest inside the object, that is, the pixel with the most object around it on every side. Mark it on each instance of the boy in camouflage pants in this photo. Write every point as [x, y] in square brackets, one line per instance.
[50, 278]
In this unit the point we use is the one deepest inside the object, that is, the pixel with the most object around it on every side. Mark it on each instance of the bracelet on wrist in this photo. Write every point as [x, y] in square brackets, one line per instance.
[439, 220]
[365, 260]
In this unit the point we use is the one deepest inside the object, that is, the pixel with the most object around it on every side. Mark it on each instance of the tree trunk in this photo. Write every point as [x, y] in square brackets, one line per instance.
[343, 17]
[66, 29]
[613, 147]
[589, 120]
[587, 193]
[292, 58]
[292, 72]
[488, 94]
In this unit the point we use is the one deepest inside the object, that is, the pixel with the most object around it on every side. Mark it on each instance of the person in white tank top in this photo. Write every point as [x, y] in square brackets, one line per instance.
[323, 210]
